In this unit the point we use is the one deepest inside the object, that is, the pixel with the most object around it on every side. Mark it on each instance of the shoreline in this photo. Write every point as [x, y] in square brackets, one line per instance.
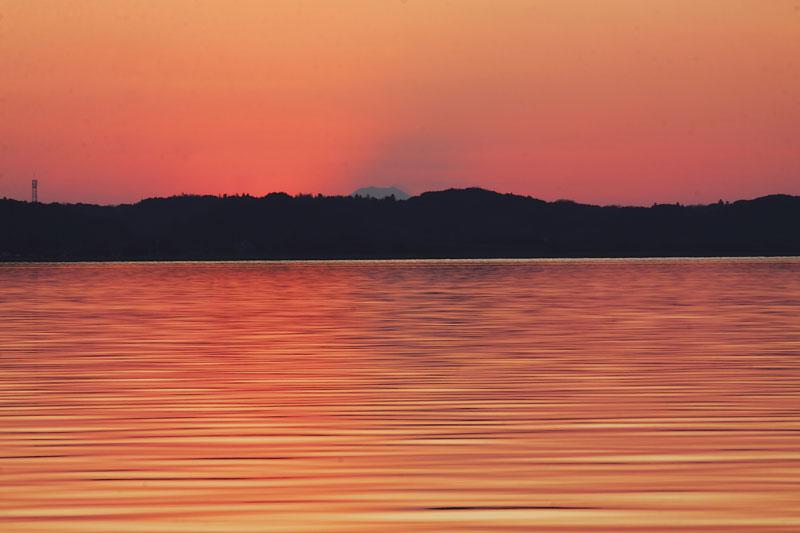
[465, 260]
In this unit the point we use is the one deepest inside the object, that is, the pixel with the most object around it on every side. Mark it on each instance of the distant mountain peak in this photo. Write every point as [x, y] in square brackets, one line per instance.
[381, 192]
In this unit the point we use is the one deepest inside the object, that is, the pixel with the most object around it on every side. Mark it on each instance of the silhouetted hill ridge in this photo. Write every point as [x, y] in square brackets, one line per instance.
[471, 222]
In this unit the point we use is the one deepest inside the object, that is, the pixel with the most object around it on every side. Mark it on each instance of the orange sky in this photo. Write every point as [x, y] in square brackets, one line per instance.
[619, 101]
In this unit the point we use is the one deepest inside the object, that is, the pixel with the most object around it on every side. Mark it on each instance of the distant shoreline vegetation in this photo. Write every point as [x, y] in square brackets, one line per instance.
[451, 224]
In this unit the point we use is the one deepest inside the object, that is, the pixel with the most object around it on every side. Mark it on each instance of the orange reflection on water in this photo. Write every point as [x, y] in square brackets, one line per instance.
[593, 396]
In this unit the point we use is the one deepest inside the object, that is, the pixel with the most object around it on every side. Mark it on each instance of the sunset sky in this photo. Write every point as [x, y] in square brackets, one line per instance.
[615, 101]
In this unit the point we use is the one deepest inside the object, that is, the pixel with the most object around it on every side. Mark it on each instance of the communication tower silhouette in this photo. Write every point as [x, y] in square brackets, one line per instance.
[35, 191]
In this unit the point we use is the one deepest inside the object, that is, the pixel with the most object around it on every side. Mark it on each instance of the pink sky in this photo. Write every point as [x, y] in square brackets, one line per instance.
[620, 101]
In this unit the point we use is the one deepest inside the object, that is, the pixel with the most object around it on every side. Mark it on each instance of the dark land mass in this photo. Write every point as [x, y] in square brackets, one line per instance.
[465, 223]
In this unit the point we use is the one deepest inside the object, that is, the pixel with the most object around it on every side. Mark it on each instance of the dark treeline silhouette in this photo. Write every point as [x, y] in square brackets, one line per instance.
[445, 224]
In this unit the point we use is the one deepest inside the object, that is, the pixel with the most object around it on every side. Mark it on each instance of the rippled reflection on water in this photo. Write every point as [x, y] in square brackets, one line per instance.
[606, 396]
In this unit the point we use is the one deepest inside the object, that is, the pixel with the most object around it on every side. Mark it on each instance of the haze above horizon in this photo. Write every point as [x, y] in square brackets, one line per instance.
[619, 102]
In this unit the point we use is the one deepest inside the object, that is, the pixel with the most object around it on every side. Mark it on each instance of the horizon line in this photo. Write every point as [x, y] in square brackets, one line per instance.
[410, 197]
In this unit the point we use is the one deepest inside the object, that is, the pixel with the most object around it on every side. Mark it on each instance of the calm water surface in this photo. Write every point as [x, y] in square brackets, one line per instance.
[593, 396]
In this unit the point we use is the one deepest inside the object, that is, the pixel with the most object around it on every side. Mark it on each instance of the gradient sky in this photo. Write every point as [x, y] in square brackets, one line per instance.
[614, 101]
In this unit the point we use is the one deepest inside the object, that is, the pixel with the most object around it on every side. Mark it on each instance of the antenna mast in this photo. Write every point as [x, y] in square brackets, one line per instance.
[35, 191]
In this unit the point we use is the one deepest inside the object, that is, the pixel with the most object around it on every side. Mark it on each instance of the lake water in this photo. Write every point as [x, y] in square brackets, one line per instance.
[597, 395]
